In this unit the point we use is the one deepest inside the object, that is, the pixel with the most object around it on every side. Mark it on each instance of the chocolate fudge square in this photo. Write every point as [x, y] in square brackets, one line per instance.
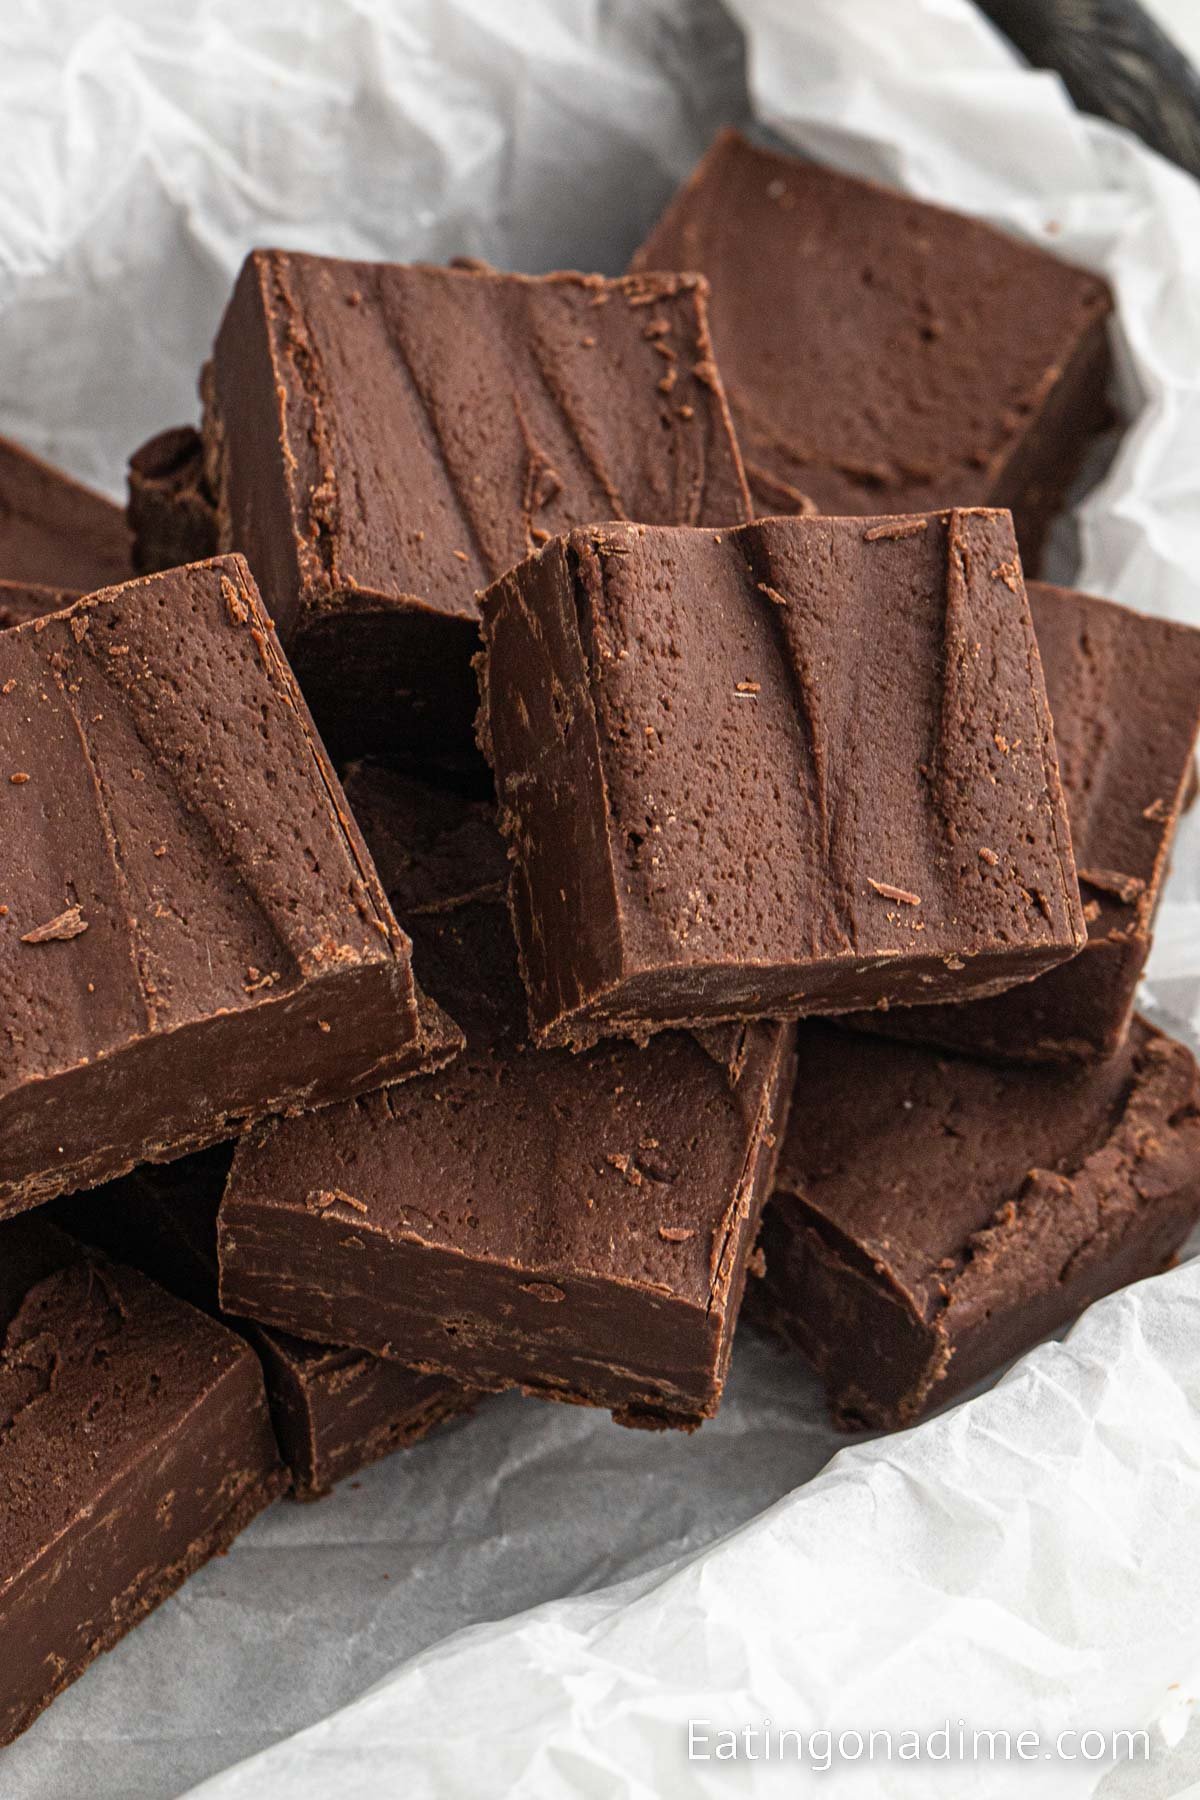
[773, 771]
[171, 511]
[333, 1410]
[884, 355]
[54, 532]
[191, 930]
[575, 1226]
[934, 1216]
[383, 440]
[1124, 693]
[136, 1445]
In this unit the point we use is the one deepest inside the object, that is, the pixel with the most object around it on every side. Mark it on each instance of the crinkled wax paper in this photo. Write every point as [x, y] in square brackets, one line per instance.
[1029, 1560]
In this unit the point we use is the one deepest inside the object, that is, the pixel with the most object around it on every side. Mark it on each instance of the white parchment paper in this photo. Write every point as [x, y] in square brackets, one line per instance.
[1029, 1561]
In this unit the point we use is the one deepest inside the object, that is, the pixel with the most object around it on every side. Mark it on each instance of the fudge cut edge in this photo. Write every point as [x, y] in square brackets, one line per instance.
[446, 1313]
[1067, 1239]
[539, 728]
[166, 1504]
[345, 1018]
[335, 1411]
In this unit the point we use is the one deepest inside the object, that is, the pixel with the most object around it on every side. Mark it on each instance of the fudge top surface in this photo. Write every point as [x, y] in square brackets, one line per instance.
[879, 353]
[396, 431]
[176, 844]
[97, 1366]
[53, 530]
[649, 1148]
[818, 738]
[1124, 692]
[912, 1159]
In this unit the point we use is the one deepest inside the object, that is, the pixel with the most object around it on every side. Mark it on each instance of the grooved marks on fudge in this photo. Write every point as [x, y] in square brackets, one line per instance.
[776, 711]
[879, 353]
[177, 861]
[514, 406]
[1124, 691]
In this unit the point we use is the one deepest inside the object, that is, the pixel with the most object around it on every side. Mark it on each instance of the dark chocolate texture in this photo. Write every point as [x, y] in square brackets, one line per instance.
[54, 532]
[134, 1444]
[884, 355]
[773, 771]
[171, 512]
[385, 439]
[191, 930]
[1124, 693]
[576, 1226]
[333, 1410]
[21, 601]
[935, 1215]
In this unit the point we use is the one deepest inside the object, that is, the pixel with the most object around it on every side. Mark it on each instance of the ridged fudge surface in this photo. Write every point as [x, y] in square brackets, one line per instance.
[54, 531]
[881, 354]
[1124, 693]
[134, 1445]
[576, 1226]
[792, 768]
[935, 1215]
[384, 439]
[192, 932]
[333, 1410]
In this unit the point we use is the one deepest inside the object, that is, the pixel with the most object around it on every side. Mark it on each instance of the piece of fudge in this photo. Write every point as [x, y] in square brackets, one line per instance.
[385, 439]
[171, 512]
[575, 1226]
[334, 1410]
[884, 355]
[21, 601]
[934, 1215]
[793, 768]
[136, 1444]
[1124, 693]
[192, 932]
[54, 531]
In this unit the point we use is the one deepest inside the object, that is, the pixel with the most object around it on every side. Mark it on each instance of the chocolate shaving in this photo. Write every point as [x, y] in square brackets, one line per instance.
[894, 893]
[69, 924]
[1125, 888]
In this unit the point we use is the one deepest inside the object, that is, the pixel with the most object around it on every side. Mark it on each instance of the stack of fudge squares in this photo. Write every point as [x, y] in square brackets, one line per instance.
[496, 874]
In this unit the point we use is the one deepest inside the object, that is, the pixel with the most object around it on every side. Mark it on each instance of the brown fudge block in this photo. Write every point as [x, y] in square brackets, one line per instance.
[333, 1410]
[21, 601]
[171, 512]
[191, 930]
[54, 531]
[136, 1445]
[1124, 693]
[773, 771]
[575, 1226]
[934, 1216]
[884, 355]
[383, 440]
